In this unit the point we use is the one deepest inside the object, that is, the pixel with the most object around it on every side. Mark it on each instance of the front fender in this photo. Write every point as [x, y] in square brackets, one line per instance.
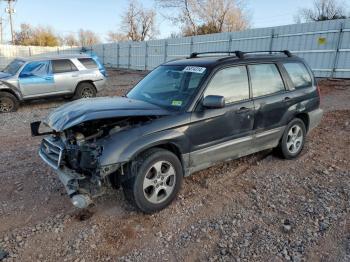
[127, 145]
[12, 89]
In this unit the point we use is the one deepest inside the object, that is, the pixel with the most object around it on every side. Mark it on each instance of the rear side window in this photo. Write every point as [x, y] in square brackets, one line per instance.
[231, 83]
[63, 66]
[298, 74]
[89, 63]
[265, 79]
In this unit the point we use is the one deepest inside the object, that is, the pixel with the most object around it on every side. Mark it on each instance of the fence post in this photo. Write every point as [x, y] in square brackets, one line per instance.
[118, 47]
[103, 54]
[191, 45]
[30, 51]
[230, 43]
[271, 40]
[129, 56]
[165, 50]
[58, 50]
[146, 55]
[336, 56]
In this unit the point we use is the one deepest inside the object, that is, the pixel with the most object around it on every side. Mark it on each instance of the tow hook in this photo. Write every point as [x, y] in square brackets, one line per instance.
[81, 201]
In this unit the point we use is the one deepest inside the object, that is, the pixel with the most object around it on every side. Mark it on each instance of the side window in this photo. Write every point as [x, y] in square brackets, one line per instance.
[63, 66]
[40, 69]
[265, 79]
[298, 74]
[89, 63]
[231, 83]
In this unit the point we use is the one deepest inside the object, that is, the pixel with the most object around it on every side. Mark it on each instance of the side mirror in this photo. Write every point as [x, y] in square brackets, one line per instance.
[214, 102]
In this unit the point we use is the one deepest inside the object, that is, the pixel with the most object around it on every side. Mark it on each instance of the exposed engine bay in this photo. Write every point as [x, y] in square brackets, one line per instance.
[75, 152]
[82, 148]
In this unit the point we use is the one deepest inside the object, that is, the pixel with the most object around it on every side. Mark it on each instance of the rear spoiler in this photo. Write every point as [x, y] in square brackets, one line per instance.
[34, 128]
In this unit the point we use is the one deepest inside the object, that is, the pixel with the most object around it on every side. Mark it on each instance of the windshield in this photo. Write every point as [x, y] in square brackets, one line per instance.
[169, 86]
[13, 67]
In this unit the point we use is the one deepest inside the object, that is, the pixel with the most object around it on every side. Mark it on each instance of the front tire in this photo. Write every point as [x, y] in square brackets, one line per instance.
[8, 102]
[293, 139]
[155, 179]
[85, 90]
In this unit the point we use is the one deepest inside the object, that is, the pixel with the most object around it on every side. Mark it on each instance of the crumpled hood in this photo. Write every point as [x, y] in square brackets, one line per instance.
[83, 110]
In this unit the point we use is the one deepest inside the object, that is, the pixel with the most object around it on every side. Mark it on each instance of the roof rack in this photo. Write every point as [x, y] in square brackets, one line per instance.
[286, 52]
[240, 54]
[237, 53]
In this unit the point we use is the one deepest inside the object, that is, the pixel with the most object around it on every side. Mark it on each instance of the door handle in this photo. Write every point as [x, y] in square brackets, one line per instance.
[287, 98]
[242, 110]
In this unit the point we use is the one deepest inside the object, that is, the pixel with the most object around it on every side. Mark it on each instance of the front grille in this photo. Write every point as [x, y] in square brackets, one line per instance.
[51, 151]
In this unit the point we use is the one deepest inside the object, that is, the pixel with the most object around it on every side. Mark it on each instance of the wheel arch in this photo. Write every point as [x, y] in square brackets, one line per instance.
[85, 81]
[10, 91]
[170, 146]
[305, 118]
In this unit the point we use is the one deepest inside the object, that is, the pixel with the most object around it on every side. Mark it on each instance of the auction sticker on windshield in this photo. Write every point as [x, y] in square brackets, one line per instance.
[194, 69]
[176, 103]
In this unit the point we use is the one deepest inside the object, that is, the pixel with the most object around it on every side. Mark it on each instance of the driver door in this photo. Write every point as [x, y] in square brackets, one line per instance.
[36, 79]
[220, 134]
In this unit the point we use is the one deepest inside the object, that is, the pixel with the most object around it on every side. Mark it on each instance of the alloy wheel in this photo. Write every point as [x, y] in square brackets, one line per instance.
[159, 182]
[6, 104]
[87, 93]
[294, 139]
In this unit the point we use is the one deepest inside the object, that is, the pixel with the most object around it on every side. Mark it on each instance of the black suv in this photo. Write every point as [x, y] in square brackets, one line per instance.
[184, 116]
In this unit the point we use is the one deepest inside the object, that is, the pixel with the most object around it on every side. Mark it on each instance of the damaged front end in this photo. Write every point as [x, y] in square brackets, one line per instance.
[77, 134]
[74, 155]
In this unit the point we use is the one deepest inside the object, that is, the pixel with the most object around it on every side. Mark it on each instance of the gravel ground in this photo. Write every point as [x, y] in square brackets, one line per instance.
[258, 208]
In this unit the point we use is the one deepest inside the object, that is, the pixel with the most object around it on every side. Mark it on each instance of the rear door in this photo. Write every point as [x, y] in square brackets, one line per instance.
[224, 133]
[66, 75]
[303, 90]
[271, 101]
[36, 79]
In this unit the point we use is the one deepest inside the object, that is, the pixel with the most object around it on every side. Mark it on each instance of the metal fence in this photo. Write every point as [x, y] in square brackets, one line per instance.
[324, 45]
[9, 52]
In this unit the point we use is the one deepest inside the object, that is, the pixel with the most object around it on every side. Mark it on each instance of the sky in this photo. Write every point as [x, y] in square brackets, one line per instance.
[101, 16]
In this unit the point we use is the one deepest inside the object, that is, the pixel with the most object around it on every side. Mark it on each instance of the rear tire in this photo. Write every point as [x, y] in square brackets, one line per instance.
[85, 90]
[293, 139]
[8, 102]
[155, 178]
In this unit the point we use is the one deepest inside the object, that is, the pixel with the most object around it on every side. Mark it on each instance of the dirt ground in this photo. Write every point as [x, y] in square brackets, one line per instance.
[258, 208]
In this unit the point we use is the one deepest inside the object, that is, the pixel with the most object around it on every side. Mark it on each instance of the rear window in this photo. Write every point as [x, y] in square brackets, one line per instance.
[89, 63]
[298, 74]
[63, 66]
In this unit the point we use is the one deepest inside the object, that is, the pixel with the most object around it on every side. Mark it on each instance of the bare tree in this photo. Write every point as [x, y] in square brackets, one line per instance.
[322, 10]
[88, 38]
[36, 36]
[206, 16]
[138, 23]
[24, 35]
[116, 37]
[70, 40]
[182, 12]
